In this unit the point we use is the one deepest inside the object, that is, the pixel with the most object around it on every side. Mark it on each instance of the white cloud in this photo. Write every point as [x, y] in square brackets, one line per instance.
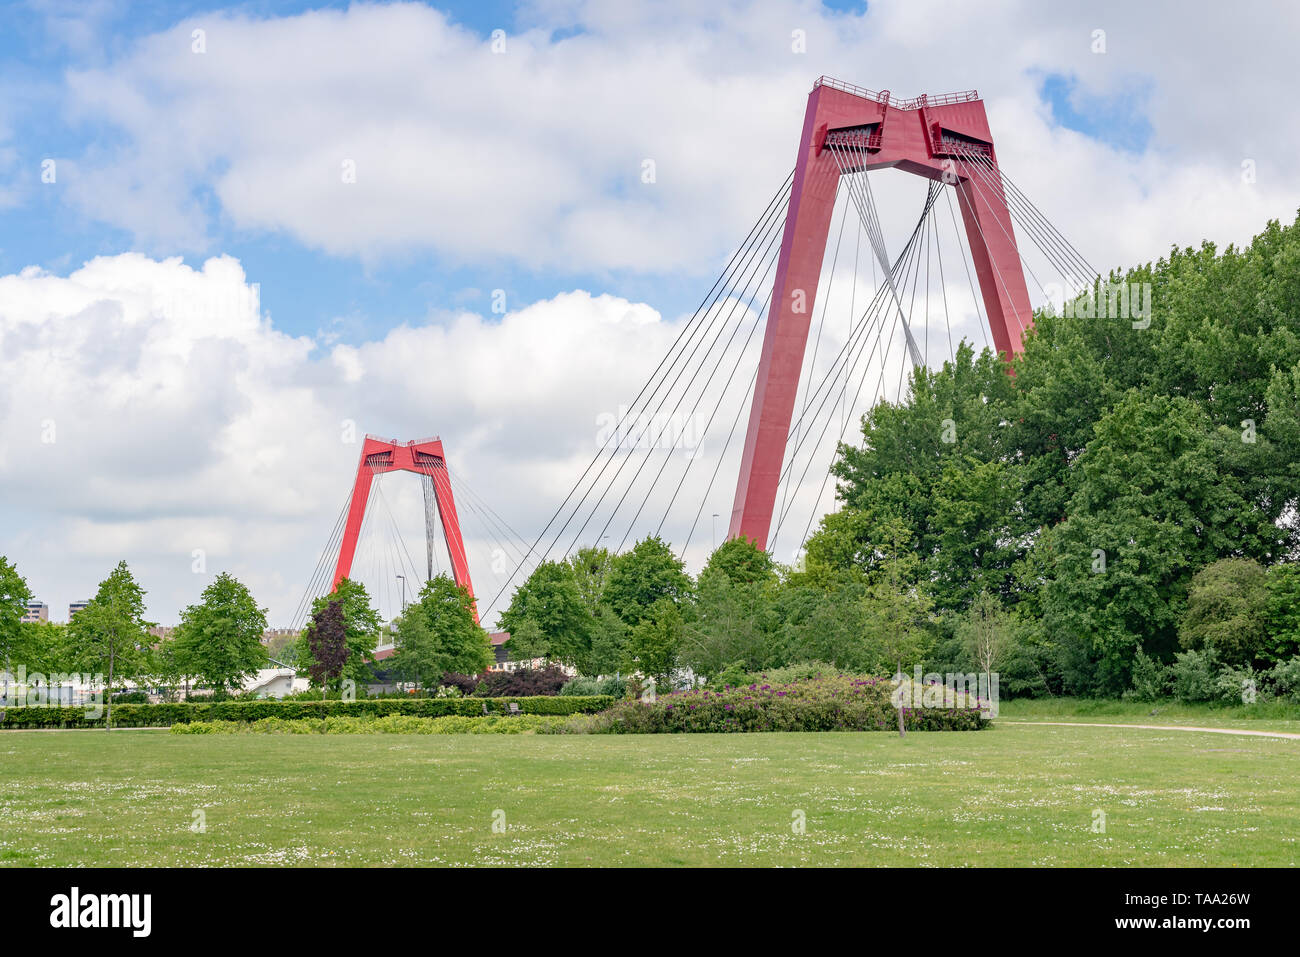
[535, 154]
[184, 419]
[147, 409]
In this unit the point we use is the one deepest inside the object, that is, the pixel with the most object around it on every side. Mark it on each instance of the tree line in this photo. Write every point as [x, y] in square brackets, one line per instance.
[1121, 499]
[218, 643]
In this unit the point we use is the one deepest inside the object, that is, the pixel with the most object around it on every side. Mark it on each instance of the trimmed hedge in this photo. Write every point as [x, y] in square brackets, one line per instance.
[162, 715]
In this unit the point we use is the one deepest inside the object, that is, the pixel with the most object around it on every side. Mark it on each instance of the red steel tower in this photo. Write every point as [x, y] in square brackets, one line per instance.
[940, 138]
[423, 457]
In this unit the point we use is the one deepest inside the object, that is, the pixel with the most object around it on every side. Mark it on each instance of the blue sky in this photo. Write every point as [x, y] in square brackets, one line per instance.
[518, 173]
[305, 290]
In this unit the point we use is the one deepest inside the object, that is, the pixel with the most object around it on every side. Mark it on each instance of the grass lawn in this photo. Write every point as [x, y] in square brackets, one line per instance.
[1264, 716]
[1010, 795]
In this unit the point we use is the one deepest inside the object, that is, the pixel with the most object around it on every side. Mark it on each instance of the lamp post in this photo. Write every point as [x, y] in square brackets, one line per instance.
[715, 533]
[403, 578]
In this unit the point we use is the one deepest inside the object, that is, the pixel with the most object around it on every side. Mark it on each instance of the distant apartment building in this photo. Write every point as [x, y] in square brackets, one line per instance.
[272, 633]
[76, 606]
[37, 611]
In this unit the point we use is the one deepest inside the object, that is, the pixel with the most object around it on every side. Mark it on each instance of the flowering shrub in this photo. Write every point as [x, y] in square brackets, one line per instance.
[823, 703]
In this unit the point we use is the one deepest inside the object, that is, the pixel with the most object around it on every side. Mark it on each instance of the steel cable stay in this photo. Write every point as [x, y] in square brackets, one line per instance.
[1050, 242]
[788, 470]
[660, 373]
[912, 267]
[865, 201]
[911, 305]
[505, 537]
[853, 347]
[1030, 211]
[706, 303]
[976, 298]
[772, 245]
[988, 189]
[327, 558]
[740, 410]
[867, 323]
[317, 586]
[960, 185]
[703, 434]
[943, 284]
[722, 394]
[1041, 236]
[431, 523]
[445, 485]
[830, 285]
[758, 318]
[395, 534]
[1031, 229]
[1053, 251]
[875, 322]
[910, 274]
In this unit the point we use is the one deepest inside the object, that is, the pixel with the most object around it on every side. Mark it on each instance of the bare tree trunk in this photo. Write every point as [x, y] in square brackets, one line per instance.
[108, 721]
[902, 730]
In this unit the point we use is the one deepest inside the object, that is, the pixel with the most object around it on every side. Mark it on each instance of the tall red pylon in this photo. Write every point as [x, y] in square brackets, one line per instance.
[423, 457]
[940, 138]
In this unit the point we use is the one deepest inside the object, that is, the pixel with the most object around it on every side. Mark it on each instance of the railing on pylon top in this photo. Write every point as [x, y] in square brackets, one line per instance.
[943, 99]
[383, 438]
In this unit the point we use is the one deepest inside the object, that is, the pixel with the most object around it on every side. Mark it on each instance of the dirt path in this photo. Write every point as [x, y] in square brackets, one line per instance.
[1164, 727]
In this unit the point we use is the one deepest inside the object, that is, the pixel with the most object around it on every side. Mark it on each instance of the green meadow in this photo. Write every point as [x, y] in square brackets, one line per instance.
[1026, 794]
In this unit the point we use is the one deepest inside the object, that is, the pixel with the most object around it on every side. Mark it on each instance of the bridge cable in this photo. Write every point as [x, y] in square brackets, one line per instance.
[782, 191]
[758, 317]
[906, 260]
[774, 231]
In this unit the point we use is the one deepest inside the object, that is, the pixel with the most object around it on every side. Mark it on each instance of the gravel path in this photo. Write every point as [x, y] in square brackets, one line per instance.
[1165, 727]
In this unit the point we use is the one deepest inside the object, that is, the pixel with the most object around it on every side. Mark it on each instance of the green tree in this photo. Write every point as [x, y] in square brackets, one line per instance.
[591, 567]
[986, 633]
[654, 643]
[437, 633]
[327, 639]
[361, 629]
[526, 642]
[14, 596]
[219, 640]
[1153, 504]
[109, 637]
[1283, 611]
[734, 621]
[45, 647]
[550, 598]
[742, 561]
[641, 578]
[896, 618]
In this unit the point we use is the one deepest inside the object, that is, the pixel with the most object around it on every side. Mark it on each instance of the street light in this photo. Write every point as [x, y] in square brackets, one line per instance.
[715, 531]
[403, 578]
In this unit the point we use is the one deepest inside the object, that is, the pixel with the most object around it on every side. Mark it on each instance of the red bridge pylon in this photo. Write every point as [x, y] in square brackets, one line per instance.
[941, 138]
[423, 457]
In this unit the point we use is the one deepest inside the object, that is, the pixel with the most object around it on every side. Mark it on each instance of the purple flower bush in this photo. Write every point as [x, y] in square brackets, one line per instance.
[822, 703]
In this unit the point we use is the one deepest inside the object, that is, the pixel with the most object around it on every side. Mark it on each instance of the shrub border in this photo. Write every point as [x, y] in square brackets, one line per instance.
[164, 715]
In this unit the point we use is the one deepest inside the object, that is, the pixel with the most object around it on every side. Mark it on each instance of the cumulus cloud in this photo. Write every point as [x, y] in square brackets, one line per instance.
[149, 408]
[535, 154]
